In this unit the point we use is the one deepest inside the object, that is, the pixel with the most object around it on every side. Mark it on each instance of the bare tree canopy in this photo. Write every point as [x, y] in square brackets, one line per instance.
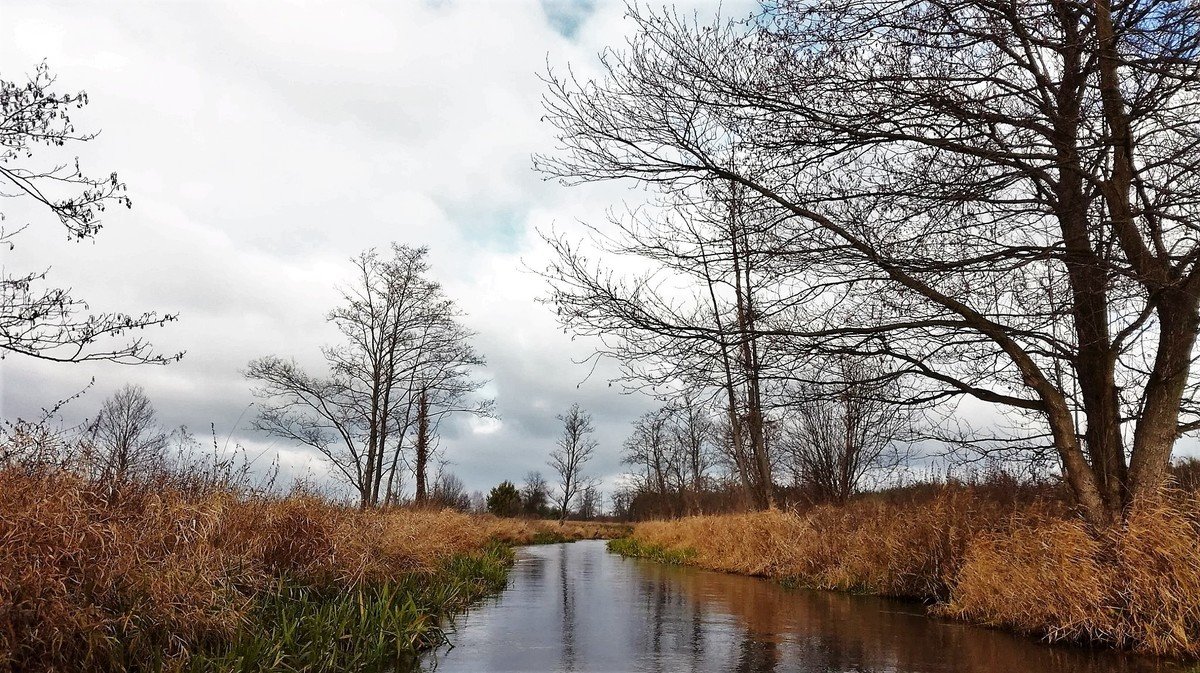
[405, 363]
[576, 446]
[45, 322]
[671, 451]
[690, 319]
[846, 431]
[127, 440]
[1000, 198]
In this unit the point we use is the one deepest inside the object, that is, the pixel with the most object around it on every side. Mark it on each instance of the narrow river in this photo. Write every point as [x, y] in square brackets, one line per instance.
[575, 607]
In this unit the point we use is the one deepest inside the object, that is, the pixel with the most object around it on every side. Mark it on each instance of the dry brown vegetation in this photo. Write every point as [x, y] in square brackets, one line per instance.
[541, 531]
[92, 579]
[1026, 565]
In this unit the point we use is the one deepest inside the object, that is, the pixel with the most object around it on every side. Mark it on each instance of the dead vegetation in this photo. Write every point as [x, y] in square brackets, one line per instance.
[1026, 565]
[146, 576]
[546, 531]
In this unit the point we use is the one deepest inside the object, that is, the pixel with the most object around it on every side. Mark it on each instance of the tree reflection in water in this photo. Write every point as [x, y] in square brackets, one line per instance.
[574, 607]
[568, 610]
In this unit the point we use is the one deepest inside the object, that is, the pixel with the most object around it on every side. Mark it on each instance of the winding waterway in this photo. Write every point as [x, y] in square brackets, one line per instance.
[576, 607]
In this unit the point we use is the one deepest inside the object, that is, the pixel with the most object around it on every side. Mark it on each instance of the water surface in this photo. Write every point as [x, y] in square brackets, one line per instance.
[575, 607]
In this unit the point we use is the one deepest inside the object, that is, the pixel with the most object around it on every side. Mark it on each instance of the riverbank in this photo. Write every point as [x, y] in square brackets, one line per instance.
[1029, 567]
[152, 577]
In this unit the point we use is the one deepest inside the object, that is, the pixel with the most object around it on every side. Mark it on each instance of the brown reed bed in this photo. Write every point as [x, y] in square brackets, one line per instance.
[520, 531]
[147, 576]
[1025, 565]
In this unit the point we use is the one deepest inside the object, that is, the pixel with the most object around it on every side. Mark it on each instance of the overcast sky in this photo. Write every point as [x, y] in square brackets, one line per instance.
[263, 144]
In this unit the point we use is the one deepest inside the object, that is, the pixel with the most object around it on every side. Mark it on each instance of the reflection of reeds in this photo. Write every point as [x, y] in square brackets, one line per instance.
[148, 575]
[1030, 567]
[827, 630]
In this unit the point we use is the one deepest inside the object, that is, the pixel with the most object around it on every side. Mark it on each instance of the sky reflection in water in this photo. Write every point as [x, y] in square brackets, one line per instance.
[575, 607]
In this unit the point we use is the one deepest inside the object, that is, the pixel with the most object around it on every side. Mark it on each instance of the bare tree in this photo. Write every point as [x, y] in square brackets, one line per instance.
[648, 447]
[1003, 196]
[385, 319]
[692, 429]
[449, 491]
[590, 501]
[845, 432]
[404, 365]
[51, 323]
[575, 448]
[127, 440]
[690, 320]
[535, 494]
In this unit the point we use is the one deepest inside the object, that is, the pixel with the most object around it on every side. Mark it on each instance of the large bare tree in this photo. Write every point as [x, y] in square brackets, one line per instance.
[1004, 195]
[50, 323]
[404, 364]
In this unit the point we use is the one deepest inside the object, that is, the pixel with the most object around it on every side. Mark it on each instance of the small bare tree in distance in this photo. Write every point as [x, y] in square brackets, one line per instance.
[845, 429]
[575, 448]
[128, 441]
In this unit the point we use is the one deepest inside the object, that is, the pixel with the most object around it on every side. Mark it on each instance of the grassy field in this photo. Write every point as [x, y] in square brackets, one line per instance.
[149, 577]
[1027, 566]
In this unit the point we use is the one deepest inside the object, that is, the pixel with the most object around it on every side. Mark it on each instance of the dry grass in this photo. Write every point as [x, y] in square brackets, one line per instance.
[1136, 586]
[542, 531]
[1027, 566]
[91, 580]
[905, 549]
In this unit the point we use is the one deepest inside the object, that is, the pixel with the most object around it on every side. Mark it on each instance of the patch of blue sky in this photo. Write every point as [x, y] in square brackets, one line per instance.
[566, 16]
[496, 230]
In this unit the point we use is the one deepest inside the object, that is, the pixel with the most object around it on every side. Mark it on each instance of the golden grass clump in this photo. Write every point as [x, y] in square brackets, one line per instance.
[1037, 576]
[315, 542]
[1135, 586]
[1158, 554]
[85, 581]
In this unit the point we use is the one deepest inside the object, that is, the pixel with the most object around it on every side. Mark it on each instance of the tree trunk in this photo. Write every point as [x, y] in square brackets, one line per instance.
[763, 486]
[421, 461]
[1154, 438]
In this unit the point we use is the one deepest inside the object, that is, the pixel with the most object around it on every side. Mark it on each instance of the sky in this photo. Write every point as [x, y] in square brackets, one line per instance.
[264, 144]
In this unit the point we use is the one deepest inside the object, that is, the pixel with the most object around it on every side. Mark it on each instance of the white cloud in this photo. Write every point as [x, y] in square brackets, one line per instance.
[265, 143]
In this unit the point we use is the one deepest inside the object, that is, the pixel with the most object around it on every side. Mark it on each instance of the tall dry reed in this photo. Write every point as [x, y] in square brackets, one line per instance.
[1135, 586]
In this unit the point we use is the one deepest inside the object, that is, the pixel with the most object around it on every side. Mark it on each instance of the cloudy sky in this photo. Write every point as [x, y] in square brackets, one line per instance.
[264, 144]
